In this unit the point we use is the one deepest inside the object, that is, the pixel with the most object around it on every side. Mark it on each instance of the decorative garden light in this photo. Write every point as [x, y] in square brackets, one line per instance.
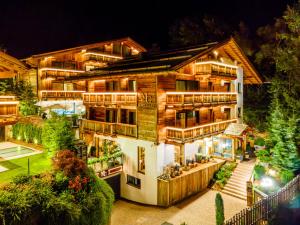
[266, 182]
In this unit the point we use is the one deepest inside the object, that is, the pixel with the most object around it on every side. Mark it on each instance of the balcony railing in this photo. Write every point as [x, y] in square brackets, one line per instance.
[61, 94]
[8, 119]
[106, 98]
[181, 98]
[109, 128]
[187, 134]
[216, 68]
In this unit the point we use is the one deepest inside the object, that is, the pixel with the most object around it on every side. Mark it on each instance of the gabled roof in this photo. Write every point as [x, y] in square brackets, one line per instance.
[176, 59]
[94, 45]
[9, 66]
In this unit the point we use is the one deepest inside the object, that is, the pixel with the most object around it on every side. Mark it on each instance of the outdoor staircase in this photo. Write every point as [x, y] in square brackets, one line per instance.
[236, 185]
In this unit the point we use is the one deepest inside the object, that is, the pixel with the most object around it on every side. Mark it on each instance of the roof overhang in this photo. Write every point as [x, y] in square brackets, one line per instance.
[232, 49]
[127, 40]
[10, 66]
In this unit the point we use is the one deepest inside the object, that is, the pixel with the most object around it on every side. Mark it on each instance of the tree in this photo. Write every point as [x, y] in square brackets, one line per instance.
[57, 133]
[219, 209]
[189, 31]
[282, 49]
[23, 92]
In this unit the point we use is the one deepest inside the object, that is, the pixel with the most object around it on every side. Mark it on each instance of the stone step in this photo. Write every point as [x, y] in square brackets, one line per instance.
[235, 191]
[237, 182]
[236, 187]
[235, 195]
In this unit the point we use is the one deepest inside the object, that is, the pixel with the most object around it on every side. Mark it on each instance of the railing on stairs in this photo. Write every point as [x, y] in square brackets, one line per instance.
[261, 211]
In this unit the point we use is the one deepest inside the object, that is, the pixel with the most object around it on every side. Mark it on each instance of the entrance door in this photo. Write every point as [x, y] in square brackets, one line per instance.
[114, 183]
[2, 134]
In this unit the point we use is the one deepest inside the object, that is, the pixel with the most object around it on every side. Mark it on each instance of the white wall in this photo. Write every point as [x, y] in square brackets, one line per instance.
[147, 194]
[239, 95]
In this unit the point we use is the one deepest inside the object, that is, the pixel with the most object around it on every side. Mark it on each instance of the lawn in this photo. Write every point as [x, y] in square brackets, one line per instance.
[38, 163]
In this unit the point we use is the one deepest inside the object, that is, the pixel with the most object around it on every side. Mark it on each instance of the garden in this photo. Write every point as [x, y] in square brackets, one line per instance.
[70, 194]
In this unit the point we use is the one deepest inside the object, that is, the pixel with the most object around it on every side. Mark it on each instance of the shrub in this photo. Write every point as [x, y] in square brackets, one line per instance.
[263, 155]
[21, 179]
[57, 133]
[259, 141]
[219, 205]
[259, 171]
[50, 198]
[286, 176]
[221, 177]
[66, 162]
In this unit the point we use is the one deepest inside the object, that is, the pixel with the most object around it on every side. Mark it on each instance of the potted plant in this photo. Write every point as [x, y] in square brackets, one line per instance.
[239, 155]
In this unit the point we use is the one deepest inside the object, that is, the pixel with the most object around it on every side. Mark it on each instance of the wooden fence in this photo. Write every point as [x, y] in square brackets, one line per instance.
[262, 210]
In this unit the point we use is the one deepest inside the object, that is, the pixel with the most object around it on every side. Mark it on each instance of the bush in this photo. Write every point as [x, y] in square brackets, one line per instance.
[221, 177]
[219, 209]
[53, 198]
[27, 132]
[66, 162]
[286, 176]
[263, 155]
[57, 133]
[259, 141]
[259, 171]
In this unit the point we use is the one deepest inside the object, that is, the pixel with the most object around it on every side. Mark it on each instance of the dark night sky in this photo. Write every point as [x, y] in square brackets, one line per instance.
[28, 27]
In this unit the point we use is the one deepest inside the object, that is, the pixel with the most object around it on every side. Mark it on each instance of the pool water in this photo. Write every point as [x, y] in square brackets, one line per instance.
[15, 151]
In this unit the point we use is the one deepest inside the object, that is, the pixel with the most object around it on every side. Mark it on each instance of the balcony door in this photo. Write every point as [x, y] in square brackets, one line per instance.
[111, 116]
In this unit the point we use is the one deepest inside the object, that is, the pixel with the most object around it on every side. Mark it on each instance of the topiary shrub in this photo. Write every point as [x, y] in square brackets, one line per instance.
[259, 141]
[259, 171]
[286, 176]
[219, 206]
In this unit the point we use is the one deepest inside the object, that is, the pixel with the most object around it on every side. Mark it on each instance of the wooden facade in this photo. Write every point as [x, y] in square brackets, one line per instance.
[189, 183]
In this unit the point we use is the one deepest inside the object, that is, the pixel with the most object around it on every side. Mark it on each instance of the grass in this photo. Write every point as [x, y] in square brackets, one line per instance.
[38, 163]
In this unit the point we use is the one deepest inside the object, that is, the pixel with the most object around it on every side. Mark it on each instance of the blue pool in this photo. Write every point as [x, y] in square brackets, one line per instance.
[15, 152]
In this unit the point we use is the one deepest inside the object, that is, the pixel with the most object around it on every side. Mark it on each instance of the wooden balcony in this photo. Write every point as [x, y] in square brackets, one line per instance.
[8, 119]
[214, 68]
[200, 98]
[198, 132]
[8, 110]
[109, 98]
[45, 94]
[109, 128]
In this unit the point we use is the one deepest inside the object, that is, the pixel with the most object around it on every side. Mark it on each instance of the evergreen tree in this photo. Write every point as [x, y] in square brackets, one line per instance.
[285, 90]
[219, 209]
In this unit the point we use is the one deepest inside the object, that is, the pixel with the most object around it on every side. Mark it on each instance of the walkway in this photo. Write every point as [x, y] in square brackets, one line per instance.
[197, 210]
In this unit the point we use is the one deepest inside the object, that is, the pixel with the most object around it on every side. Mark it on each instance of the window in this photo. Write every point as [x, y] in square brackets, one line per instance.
[128, 117]
[187, 85]
[141, 160]
[131, 85]
[239, 90]
[112, 86]
[239, 112]
[111, 116]
[133, 181]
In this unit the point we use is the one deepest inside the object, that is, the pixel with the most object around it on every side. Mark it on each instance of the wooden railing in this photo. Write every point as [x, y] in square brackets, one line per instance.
[109, 128]
[106, 98]
[216, 68]
[200, 98]
[264, 209]
[8, 119]
[61, 94]
[186, 134]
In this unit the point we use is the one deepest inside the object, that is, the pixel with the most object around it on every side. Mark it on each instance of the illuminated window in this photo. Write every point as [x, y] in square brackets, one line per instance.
[133, 181]
[141, 160]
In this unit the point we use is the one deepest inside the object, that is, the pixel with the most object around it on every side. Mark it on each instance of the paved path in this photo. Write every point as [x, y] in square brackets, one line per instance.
[197, 210]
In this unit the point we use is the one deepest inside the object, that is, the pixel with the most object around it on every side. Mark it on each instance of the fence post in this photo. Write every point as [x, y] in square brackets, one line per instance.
[249, 193]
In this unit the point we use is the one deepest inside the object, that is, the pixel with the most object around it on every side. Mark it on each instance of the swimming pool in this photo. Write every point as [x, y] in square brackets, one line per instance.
[15, 152]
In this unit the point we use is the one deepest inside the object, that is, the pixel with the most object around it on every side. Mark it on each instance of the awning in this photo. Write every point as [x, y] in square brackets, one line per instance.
[235, 129]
